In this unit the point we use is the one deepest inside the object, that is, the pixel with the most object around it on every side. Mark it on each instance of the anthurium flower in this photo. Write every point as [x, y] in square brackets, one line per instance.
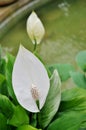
[30, 81]
[35, 28]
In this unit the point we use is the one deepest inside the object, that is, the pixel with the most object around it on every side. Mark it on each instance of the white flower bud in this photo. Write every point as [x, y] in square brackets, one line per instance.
[35, 28]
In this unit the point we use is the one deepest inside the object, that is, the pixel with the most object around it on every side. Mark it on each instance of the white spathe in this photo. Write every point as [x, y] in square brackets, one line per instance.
[30, 80]
[35, 28]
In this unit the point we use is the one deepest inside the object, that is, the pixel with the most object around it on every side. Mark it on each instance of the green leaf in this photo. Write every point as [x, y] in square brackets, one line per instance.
[6, 107]
[2, 62]
[68, 121]
[2, 66]
[52, 102]
[79, 79]
[3, 85]
[81, 60]
[19, 117]
[82, 128]
[9, 68]
[78, 104]
[73, 93]
[27, 127]
[63, 70]
[73, 99]
[33, 119]
[3, 122]
[2, 79]
[83, 125]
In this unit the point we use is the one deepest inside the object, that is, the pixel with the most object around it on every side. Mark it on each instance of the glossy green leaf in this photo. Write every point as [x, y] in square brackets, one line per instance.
[3, 122]
[52, 102]
[9, 68]
[81, 60]
[6, 107]
[63, 70]
[68, 121]
[79, 79]
[27, 127]
[19, 117]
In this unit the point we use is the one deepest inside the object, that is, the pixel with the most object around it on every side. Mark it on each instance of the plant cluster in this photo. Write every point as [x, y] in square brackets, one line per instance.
[31, 96]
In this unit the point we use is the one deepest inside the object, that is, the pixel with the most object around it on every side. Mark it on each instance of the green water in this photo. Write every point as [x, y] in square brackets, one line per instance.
[65, 24]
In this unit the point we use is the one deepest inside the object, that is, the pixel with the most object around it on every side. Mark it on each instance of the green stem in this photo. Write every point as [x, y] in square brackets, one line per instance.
[37, 102]
[38, 125]
[35, 45]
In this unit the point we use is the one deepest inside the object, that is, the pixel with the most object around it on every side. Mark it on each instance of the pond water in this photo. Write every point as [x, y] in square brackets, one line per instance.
[65, 25]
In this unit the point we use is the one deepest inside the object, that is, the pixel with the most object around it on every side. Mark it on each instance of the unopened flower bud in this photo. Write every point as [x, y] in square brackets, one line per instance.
[35, 28]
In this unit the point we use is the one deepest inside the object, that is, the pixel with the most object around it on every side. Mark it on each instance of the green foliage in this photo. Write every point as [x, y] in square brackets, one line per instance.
[79, 79]
[2, 66]
[83, 126]
[52, 102]
[8, 73]
[6, 106]
[73, 93]
[2, 79]
[33, 119]
[2, 63]
[3, 87]
[27, 127]
[81, 60]
[73, 99]
[3, 122]
[72, 111]
[63, 70]
[19, 117]
[70, 120]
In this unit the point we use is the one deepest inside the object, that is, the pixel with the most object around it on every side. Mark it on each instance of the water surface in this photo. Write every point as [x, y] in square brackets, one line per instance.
[65, 24]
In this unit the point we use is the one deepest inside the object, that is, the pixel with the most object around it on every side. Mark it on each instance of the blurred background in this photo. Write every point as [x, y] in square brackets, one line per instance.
[64, 22]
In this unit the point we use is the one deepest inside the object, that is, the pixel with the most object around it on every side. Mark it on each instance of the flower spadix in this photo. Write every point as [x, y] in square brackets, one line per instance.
[35, 28]
[30, 81]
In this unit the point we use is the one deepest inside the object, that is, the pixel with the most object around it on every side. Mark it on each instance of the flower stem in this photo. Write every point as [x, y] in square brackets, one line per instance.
[35, 45]
[37, 102]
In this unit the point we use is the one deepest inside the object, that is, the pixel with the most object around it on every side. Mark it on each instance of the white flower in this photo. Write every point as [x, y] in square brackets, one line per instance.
[35, 28]
[30, 80]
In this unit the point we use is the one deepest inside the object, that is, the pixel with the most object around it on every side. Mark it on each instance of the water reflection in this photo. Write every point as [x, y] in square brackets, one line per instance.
[64, 7]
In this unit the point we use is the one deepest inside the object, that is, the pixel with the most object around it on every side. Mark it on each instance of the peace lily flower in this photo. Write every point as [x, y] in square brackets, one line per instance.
[35, 28]
[30, 81]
